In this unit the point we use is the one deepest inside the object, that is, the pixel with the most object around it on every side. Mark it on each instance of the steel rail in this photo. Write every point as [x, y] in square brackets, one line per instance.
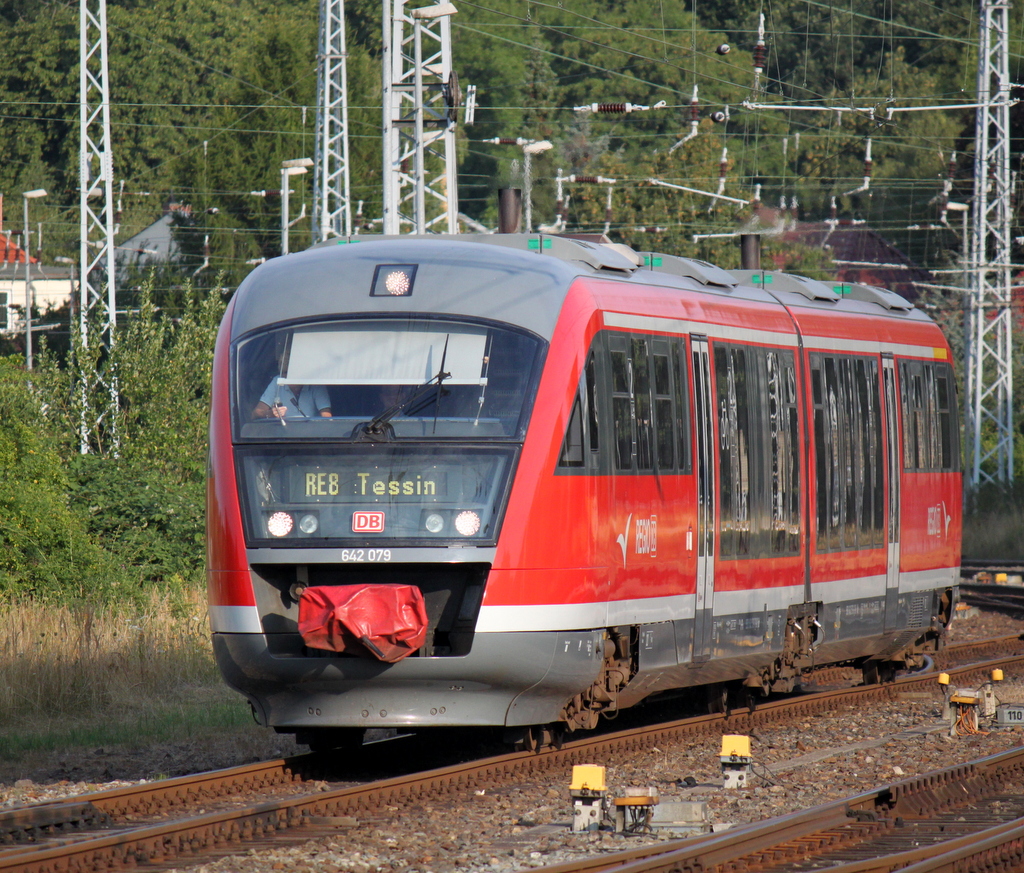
[824, 829]
[217, 832]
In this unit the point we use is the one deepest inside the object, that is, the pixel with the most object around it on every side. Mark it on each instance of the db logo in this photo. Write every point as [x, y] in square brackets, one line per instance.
[368, 522]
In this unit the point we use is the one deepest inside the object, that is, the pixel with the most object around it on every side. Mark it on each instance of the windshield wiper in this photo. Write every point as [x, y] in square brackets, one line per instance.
[380, 427]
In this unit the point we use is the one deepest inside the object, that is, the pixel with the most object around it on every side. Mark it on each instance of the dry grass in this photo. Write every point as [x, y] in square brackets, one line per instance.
[78, 675]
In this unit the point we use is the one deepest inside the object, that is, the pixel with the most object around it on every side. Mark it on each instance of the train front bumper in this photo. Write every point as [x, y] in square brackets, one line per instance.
[508, 679]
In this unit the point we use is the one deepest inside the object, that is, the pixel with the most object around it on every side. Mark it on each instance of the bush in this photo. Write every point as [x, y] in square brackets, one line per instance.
[45, 549]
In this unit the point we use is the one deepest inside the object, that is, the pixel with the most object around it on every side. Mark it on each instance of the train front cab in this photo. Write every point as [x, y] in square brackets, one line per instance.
[404, 480]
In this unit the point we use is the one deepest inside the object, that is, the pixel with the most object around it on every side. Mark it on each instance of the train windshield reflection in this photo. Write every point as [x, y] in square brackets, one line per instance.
[386, 379]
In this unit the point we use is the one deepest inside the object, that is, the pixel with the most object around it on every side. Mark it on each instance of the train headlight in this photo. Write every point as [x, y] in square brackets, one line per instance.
[309, 524]
[434, 522]
[467, 523]
[280, 524]
[393, 280]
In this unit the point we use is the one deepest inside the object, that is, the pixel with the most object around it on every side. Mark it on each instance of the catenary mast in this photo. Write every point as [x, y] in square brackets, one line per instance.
[98, 391]
[332, 205]
[989, 320]
[421, 96]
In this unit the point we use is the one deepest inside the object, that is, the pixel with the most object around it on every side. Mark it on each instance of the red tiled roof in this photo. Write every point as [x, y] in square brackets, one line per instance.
[11, 252]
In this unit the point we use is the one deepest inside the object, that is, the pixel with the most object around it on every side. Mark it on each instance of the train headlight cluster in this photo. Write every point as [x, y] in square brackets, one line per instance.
[467, 523]
[280, 524]
[309, 524]
[434, 522]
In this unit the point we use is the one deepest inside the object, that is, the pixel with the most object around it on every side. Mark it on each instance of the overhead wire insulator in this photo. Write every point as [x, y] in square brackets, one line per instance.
[508, 140]
[760, 54]
[618, 108]
[694, 121]
[866, 183]
[590, 180]
[723, 170]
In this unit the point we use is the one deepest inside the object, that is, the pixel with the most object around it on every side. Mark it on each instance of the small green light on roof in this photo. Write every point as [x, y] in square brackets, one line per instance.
[535, 244]
[652, 261]
[842, 290]
[762, 279]
[342, 242]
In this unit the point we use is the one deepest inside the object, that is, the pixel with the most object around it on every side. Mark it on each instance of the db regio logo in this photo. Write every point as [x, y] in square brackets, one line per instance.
[368, 522]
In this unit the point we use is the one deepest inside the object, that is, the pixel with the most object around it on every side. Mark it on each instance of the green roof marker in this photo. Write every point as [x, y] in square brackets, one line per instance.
[763, 278]
[650, 261]
[342, 242]
[535, 244]
[842, 290]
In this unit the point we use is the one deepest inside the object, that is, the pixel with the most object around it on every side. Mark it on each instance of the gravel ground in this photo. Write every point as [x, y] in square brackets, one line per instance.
[527, 824]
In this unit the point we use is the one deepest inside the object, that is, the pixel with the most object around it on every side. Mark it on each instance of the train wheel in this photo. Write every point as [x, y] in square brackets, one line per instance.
[878, 672]
[717, 698]
[535, 737]
[329, 739]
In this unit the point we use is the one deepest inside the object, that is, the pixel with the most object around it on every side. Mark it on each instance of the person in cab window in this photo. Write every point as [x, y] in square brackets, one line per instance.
[293, 401]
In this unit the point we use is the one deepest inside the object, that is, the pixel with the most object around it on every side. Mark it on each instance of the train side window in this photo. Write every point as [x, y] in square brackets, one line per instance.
[639, 389]
[930, 437]
[783, 453]
[593, 436]
[572, 445]
[622, 403]
[642, 404]
[664, 423]
[731, 378]
[949, 433]
[581, 443]
[848, 452]
[681, 396]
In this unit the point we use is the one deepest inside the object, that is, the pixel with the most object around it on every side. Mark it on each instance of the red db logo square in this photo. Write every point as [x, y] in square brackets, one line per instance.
[368, 522]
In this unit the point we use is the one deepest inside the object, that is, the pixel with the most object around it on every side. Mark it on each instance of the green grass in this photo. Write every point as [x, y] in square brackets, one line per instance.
[199, 714]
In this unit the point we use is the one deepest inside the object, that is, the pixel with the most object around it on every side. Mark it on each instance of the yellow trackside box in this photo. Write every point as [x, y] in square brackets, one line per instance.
[735, 746]
[587, 777]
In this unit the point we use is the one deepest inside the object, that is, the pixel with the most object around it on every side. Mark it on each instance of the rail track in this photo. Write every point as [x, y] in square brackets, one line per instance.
[174, 821]
[969, 817]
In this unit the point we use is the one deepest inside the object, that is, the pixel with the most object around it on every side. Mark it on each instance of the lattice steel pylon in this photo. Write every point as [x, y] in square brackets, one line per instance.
[421, 96]
[332, 205]
[989, 403]
[97, 312]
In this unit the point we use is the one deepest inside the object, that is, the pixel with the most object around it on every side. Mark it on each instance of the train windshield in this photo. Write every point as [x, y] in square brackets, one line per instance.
[386, 379]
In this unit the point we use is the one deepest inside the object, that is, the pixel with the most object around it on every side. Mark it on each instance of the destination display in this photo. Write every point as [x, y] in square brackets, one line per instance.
[326, 484]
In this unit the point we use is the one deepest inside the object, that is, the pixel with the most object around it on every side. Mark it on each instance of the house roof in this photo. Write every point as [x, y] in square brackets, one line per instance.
[862, 256]
[153, 244]
[11, 252]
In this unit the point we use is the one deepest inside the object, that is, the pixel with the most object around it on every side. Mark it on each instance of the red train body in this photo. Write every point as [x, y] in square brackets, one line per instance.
[614, 475]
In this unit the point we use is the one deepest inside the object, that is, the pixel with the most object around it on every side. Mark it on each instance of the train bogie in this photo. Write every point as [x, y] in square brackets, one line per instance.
[594, 475]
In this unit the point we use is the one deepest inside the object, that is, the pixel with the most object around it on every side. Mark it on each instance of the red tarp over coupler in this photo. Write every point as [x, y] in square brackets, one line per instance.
[388, 622]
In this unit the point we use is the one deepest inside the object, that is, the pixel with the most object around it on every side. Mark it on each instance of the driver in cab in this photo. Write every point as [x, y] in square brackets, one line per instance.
[293, 401]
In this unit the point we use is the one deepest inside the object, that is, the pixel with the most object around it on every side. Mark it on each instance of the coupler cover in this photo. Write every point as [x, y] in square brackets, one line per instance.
[386, 622]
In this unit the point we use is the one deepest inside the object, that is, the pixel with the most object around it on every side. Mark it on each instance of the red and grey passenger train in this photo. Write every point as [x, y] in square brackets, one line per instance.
[527, 480]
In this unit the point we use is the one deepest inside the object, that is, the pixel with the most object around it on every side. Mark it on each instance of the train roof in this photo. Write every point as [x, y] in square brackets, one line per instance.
[520, 279]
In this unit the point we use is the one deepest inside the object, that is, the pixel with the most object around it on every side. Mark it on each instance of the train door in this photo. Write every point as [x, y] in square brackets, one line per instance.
[892, 464]
[703, 415]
